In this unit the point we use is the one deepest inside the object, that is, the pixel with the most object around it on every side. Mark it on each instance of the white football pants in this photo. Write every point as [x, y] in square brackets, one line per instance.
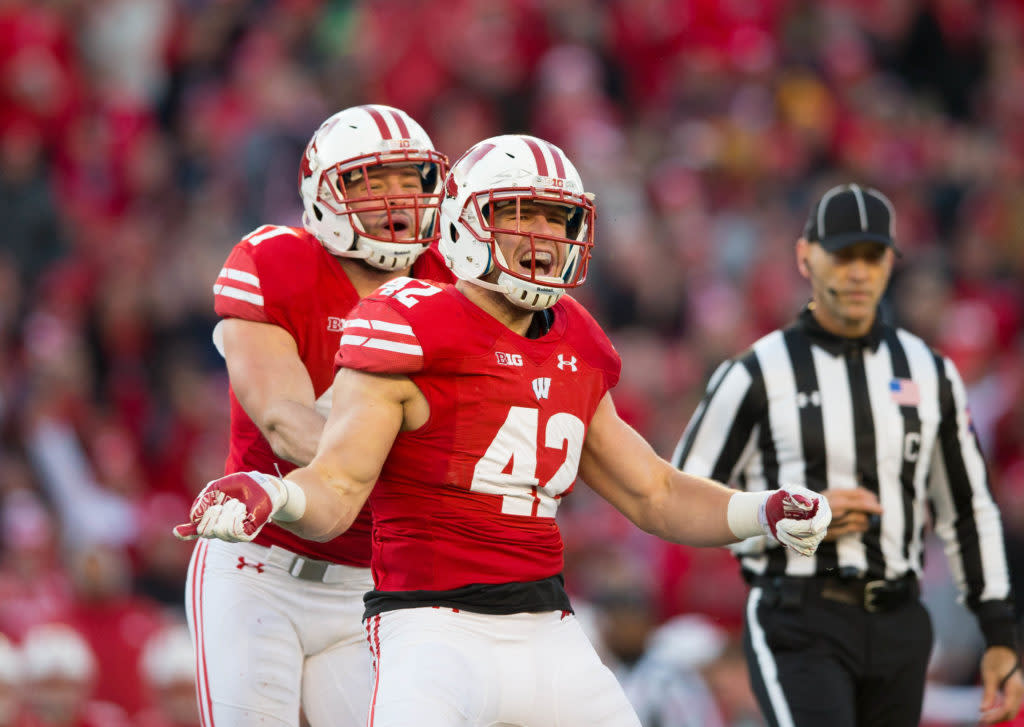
[438, 667]
[267, 641]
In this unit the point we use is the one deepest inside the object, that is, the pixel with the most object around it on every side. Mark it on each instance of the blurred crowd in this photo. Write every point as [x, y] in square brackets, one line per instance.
[140, 139]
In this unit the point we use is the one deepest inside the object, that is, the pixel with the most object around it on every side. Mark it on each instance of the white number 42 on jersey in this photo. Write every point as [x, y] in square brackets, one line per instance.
[516, 441]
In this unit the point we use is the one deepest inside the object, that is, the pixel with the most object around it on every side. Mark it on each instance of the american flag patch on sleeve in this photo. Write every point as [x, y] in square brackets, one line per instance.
[905, 392]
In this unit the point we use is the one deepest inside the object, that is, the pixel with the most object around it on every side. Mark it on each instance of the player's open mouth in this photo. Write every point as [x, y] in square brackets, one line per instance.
[543, 259]
[398, 225]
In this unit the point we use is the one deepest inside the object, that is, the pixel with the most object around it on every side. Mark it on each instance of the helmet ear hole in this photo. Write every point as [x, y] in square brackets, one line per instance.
[453, 232]
[574, 225]
[431, 177]
[318, 213]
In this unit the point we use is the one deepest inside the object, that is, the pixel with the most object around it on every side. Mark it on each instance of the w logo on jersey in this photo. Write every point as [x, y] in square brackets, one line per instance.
[542, 387]
[566, 363]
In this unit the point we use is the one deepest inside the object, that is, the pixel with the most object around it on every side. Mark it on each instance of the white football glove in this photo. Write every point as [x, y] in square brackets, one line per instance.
[796, 517]
[237, 506]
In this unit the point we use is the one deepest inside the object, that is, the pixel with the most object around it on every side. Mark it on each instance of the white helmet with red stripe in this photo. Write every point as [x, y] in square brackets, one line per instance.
[514, 167]
[333, 177]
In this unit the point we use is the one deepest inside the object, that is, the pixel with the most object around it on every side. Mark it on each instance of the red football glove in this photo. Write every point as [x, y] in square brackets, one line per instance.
[237, 506]
[796, 517]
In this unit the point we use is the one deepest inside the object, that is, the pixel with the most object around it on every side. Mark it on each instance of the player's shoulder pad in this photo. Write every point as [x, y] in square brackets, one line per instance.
[267, 259]
[385, 332]
[586, 336]
[273, 242]
[272, 249]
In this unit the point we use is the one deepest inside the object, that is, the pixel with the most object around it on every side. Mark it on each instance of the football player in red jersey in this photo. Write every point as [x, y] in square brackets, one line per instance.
[464, 413]
[277, 622]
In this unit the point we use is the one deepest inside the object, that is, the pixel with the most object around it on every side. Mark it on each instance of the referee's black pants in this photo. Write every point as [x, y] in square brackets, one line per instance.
[815, 661]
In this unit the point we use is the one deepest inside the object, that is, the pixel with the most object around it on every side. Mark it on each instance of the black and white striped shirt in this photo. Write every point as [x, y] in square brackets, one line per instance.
[884, 412]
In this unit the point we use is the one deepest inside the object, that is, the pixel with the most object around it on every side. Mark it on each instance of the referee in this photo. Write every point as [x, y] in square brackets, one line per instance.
[867, 414]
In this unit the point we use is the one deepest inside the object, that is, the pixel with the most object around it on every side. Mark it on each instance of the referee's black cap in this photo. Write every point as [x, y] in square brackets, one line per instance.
[848, 214]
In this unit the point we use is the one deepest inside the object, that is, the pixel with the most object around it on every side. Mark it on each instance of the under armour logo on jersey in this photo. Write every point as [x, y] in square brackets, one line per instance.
[814, 399]
[566, 363]
[542, 387]
[243, 563]
[335, 324]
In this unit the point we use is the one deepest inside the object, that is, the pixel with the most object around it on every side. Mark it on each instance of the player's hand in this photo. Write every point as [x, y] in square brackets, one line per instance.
[852, 511]
[234, 508]
[796, 517]
[1003, 685]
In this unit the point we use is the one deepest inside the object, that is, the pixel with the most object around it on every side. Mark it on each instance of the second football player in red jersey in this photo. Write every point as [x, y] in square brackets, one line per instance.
[277, 621]
[464, 413]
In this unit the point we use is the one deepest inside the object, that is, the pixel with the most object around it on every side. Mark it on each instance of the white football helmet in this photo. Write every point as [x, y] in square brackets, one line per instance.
[333, 176]
[514, 167]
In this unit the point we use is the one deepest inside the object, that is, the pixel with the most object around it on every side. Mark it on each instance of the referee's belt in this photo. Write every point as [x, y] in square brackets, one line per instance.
[874, 596]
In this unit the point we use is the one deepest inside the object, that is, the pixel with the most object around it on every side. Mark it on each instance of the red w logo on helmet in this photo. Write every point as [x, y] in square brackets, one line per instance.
[305, 170]
[451, 189]
[468, 160]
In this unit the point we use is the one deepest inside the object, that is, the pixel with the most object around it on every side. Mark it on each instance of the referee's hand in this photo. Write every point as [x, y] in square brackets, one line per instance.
[852, 509]
[1002, 683]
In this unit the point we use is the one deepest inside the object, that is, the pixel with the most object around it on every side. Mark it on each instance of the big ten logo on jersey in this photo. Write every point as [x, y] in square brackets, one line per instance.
[508, 359]
[335, 324]
[408, 291]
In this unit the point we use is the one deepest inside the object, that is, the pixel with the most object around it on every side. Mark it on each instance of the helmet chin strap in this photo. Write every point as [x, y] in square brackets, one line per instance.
[503, 289]
[517, 291]
[514, 294]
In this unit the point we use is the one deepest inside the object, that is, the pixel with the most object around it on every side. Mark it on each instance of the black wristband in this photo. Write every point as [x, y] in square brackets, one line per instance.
[998, 624]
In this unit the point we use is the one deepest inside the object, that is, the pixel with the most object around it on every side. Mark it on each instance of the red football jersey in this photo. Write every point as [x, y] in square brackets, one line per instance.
[471, 496]
[284, 276]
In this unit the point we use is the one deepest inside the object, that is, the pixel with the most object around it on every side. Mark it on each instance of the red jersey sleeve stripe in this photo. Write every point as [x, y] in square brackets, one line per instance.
[398, 337]
[376, 325]
[383, 344]
[239, 294]
[238, 284]
[239, 275]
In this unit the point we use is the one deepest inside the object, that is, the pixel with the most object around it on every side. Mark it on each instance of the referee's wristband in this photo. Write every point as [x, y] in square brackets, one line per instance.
[745, 514]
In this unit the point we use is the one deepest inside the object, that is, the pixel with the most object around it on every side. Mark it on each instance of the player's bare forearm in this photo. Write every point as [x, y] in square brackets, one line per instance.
[367, 414]
[293, 431]
[273, 386]
[622, 467]
[332, 502]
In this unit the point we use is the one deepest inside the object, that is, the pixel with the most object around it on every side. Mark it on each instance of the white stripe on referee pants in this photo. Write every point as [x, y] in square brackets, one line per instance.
[766, 662]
